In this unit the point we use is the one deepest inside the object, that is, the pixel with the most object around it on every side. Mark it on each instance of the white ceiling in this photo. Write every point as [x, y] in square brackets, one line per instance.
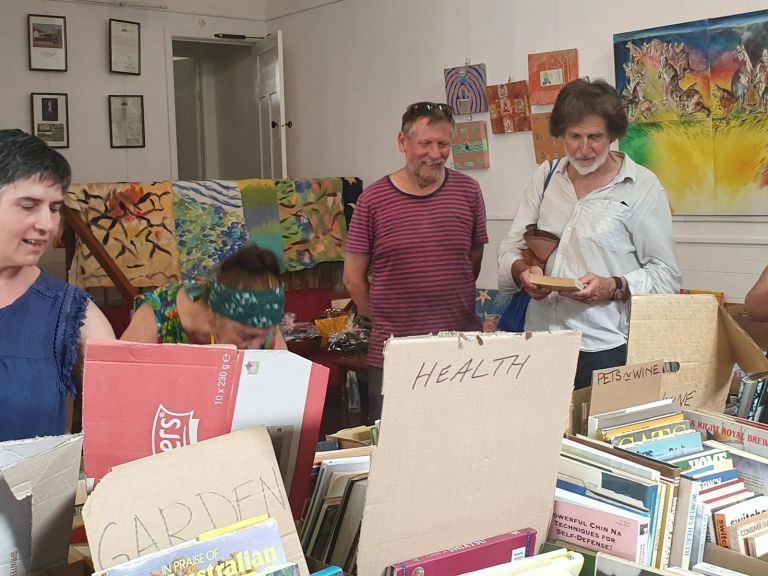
[262, 10]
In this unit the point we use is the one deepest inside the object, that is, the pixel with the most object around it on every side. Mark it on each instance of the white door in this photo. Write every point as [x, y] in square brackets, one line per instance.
[268, 57]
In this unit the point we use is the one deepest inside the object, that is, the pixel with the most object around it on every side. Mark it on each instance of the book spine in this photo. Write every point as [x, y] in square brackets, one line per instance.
[669, 528]
[721, 534]
[690, 524]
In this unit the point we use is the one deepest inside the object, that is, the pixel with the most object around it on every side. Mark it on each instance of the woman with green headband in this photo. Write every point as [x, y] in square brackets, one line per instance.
[241, 303]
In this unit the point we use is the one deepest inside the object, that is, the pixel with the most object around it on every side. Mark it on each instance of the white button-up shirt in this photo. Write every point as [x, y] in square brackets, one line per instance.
[622, 229]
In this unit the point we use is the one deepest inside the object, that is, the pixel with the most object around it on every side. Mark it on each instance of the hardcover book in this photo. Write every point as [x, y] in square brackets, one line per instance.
[470, 556]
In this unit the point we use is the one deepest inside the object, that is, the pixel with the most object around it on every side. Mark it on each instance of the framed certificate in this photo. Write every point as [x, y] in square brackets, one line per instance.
[124, 47]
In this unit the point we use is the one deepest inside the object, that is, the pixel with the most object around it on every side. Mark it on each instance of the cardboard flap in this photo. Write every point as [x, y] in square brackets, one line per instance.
[744, 349]
[162, 500]
[469, 442]
[43, 479]
[685, 329]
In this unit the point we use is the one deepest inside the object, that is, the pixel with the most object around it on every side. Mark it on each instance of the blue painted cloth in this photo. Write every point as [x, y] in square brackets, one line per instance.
[39, 336]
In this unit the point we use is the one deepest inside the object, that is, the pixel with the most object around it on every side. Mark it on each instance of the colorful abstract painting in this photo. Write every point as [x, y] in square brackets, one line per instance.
[548, 72]
[469, 141]
[702, 89]
[465, 89]
[312, 221]
[209, 224]
[261, 215]
[508, 107]
[134, 221]
[545, 147]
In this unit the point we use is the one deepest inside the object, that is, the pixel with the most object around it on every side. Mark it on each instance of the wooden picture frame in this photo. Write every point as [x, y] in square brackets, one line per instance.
[124, 47]
[50, 118]
[126, 121]
[47, 40]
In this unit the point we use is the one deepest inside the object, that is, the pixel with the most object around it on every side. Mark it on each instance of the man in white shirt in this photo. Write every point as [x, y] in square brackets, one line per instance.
[615, 228]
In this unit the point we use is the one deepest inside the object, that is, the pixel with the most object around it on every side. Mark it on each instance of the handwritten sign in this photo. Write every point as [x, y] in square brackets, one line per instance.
[494, 402]
[625, 386]
[163, 500]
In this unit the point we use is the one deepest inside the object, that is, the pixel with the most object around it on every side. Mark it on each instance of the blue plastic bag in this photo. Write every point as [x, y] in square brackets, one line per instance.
[513, 318]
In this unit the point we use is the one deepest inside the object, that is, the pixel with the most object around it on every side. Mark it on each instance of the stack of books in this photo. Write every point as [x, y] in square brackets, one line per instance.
[332, 519]
[655, 486]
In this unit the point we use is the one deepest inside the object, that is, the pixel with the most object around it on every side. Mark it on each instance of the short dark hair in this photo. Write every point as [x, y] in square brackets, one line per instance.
[23, 156]
[435, 111]
[581, 98]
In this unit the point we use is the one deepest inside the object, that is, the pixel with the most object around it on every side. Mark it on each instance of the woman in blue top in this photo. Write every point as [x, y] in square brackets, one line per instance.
[44, 322]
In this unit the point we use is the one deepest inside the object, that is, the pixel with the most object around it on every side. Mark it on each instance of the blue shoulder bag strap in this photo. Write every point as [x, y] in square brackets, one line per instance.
[552, 168]
[513, 318]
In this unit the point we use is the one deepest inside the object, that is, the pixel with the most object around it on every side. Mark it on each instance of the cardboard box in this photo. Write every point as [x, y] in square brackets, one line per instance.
[162, 500]
[758, 331]
[697, 333]
[436, 481]
[352, 437]
[38, 479]
[143, 399]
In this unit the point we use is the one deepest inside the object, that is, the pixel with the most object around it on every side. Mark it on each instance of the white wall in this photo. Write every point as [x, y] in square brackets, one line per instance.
[88, 82]
[352, 66]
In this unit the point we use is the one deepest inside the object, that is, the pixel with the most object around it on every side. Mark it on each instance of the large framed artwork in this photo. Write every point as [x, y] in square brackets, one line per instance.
[697, 98]
[47, 42]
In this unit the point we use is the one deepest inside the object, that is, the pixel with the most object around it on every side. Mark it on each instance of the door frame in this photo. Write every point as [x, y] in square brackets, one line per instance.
[192, 35]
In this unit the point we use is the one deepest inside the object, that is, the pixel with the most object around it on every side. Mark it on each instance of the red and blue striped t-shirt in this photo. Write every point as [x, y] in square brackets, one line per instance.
[419, 249]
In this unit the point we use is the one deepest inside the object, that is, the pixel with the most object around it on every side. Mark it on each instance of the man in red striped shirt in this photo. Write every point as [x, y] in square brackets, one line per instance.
[421, 231]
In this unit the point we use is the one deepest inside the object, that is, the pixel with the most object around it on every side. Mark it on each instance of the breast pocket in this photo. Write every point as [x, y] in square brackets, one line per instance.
[605, 223]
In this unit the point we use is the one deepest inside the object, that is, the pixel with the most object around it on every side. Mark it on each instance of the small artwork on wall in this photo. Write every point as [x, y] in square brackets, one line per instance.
[126, 121]
[47, 42]
[470, 146]
[548, 72]
[508, 107]
[545, 147]
[465, 89]
[50, 118]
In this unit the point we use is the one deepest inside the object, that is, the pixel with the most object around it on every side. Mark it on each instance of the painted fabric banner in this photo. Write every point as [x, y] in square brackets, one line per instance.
[312, 221]
[209, 224]
[262, 218]
[697, 98]
[134, 221]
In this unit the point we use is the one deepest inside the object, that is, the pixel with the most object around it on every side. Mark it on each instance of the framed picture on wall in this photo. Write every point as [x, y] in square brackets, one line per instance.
[47, 42]
[126, 121]
[50, 118]
[124, 47]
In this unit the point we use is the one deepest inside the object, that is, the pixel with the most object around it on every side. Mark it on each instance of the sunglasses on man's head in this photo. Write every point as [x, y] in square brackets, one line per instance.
[427, 108]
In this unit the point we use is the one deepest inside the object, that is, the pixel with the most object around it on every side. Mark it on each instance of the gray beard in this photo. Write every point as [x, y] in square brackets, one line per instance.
[596, 165]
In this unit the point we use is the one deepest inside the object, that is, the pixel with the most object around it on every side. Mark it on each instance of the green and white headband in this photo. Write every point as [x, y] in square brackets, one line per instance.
[259, 308]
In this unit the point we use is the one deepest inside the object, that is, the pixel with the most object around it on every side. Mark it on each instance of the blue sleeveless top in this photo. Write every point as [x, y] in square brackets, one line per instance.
[39, 336]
